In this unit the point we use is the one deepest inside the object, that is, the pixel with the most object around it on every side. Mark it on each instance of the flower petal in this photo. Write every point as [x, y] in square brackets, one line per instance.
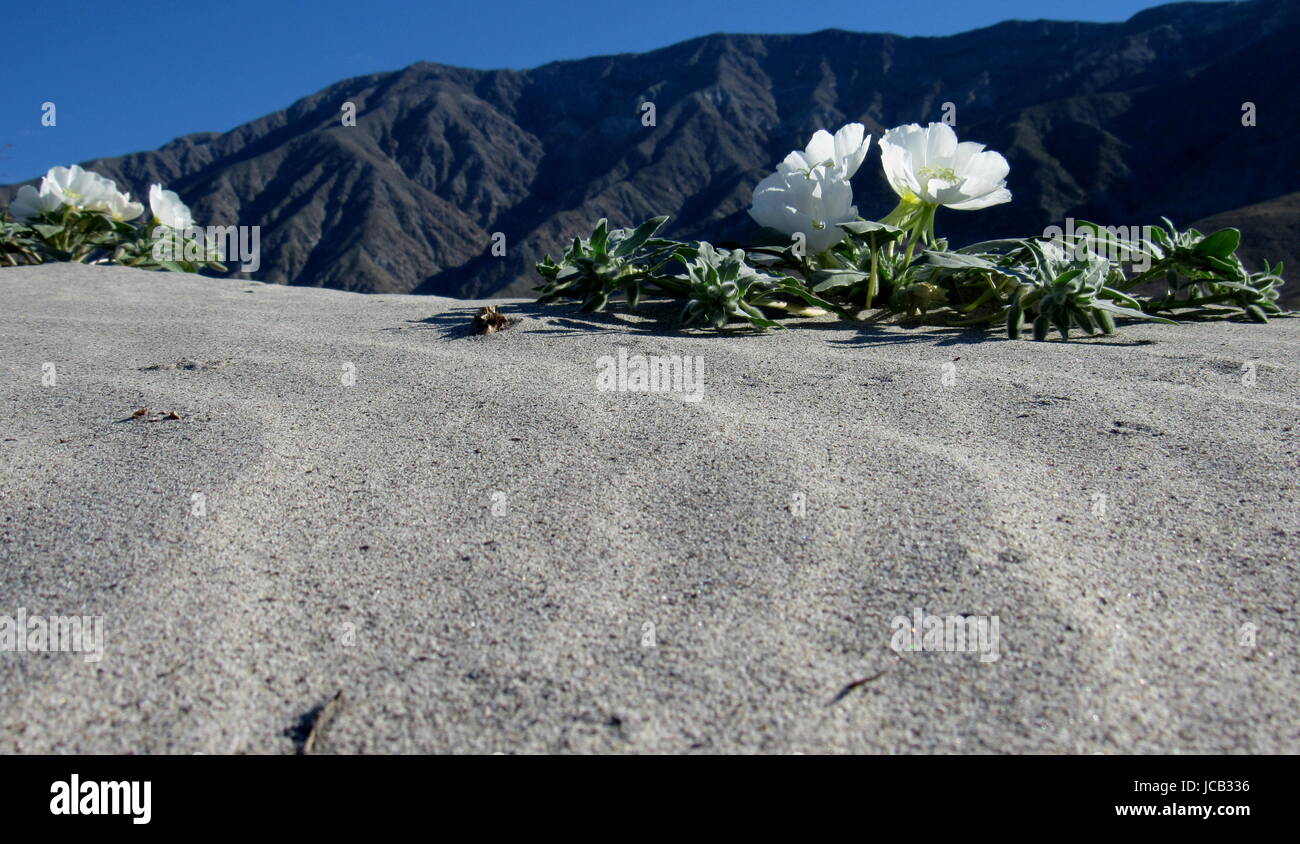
[996, 197]
[821, 148]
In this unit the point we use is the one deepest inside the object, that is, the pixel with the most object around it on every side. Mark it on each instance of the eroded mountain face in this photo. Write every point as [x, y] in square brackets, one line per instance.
[1117, 123]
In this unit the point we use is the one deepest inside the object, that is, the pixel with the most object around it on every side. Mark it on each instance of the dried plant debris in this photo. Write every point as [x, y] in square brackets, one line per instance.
[149, 416]
[856, 684]
[489, 320]
[323, 716]
[185, 363]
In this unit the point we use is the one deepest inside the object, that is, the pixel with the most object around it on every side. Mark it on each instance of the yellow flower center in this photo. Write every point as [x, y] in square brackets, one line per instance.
[947, 174]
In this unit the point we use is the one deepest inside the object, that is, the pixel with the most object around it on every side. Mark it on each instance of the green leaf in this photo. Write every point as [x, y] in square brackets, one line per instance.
[639, 236]
[1234, 285]
[1160, 238]
[600, 238]
[1221, 244]
[1231, 269]
[958, 261]
[1040, 260]
[47, 231]
[1118, 296]
[794, 288]
[1101, 236]
[879, 233]
[596, 302]
[1080, 316]
[824, 280]
[1119, 310]
[987, 246]
[1015, 320]
[868, 226]
[1068, 276]
[756, 317]
[1061, 319]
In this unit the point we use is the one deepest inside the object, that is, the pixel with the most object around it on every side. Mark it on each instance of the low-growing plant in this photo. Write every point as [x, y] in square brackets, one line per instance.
[18, 244]
[78, 215]
[814, 255]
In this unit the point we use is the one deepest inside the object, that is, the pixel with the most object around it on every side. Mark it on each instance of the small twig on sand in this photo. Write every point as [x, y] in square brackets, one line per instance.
[844, 692]
[327, 713]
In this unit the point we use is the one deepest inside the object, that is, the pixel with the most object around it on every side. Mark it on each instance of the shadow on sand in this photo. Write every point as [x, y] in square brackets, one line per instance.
[659, 319]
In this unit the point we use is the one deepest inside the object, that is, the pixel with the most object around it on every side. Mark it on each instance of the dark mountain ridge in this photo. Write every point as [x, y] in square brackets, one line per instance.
[1118, 123]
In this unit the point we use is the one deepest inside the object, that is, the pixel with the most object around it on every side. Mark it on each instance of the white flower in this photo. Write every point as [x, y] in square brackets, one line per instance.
[88, 191]
[929, 167]
[168, 209]
[841, 154]
[120, 207]
[30, 203]
[810, 193]
[813, 203]
[78, 188]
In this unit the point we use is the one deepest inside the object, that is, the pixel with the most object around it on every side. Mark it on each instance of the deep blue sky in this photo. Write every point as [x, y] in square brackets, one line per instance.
[129, 75]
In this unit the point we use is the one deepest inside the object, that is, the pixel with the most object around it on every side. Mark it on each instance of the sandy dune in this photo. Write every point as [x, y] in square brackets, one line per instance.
[483, 552]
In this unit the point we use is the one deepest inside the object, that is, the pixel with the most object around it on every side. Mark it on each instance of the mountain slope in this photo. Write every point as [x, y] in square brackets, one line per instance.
[1117, 122]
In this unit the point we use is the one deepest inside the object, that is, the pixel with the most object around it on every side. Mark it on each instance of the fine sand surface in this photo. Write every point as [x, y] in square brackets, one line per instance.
[471, 542]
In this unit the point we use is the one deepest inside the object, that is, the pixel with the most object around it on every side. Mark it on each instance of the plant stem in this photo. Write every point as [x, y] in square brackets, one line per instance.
[1129, 283]
[873, 283]
[922, 229]
[983, 297]
[911, 244]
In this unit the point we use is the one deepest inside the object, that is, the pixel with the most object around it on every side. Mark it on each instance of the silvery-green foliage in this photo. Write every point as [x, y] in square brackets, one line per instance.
[813, 256]
[721, 285]
[18, 244]
[1204, 272]
[608, 262]
[1016, 282]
